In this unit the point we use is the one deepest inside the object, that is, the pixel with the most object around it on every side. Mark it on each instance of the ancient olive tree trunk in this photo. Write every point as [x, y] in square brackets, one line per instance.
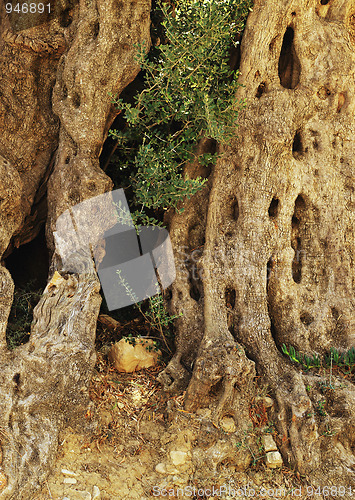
[269, 246]
[55, 112]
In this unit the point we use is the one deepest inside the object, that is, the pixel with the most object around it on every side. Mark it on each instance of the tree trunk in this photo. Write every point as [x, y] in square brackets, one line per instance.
[265, 253]
[55, 113]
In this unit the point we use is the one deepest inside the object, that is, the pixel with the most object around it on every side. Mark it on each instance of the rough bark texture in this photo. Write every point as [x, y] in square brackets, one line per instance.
[55, 113]
[274, 230]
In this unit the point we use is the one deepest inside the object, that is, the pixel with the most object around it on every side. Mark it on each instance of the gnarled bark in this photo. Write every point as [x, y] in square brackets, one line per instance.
[58, 113]
[277, 250]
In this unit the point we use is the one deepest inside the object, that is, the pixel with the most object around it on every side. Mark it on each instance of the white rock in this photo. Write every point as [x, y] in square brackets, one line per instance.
[268, 402]
[268, 443]
[129, 358]
[273, 460]
[85, 495]
[161, 468]
[67, 472]
[178, 457]
[228, 424]
[70, 480]
[96, 493]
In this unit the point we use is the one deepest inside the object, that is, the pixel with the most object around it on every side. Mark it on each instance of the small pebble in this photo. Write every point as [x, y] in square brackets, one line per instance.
[70, 480]
[85, 495]
[96, 493]
[161, 468]
[68, 472]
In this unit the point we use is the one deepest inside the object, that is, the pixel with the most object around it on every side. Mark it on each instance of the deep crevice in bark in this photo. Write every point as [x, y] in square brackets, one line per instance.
[297, 146]
[30, 262]
[260, 90]
[289, 65]
[296, 238]
[274, 207]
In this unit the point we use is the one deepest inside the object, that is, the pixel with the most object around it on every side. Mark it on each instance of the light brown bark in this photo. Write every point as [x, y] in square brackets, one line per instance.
[275, 228]
[55, 114]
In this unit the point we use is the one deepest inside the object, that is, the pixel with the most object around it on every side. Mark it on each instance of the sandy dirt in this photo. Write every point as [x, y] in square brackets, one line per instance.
[146, 446]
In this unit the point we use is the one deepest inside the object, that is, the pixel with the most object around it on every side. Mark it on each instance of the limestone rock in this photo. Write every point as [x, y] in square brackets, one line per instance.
[161, 468]
[178, 457]
[85, 495]
[268, 443]
[129, 358]
[96, 494]
[67, 472]
[273, 460]
[268, 402]
[69, 480]
[228, 424]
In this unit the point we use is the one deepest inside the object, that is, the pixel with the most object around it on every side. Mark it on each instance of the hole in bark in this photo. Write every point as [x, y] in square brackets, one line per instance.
[235, 210]
[323, 93]
[261, 89]
[335, 313]
[76, 100]
[95, 30]
[16, 378]
[300, 204]
[324, 2]
[274, 207]
[306, 318]
[230, 298]
[296, 242]
[28, 266]
[216, 389]
[65, 18]
[65, 92]
[297, 147]
[29, 263]
[289, 65]
[168, 294]
[67, 160]
[194, 292]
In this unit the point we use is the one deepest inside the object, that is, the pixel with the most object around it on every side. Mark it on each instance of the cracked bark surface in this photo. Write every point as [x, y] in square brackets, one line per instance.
[276, 231]
[58, 113]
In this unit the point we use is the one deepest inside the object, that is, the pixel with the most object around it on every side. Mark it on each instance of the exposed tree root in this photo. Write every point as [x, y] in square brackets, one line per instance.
[220, 359]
